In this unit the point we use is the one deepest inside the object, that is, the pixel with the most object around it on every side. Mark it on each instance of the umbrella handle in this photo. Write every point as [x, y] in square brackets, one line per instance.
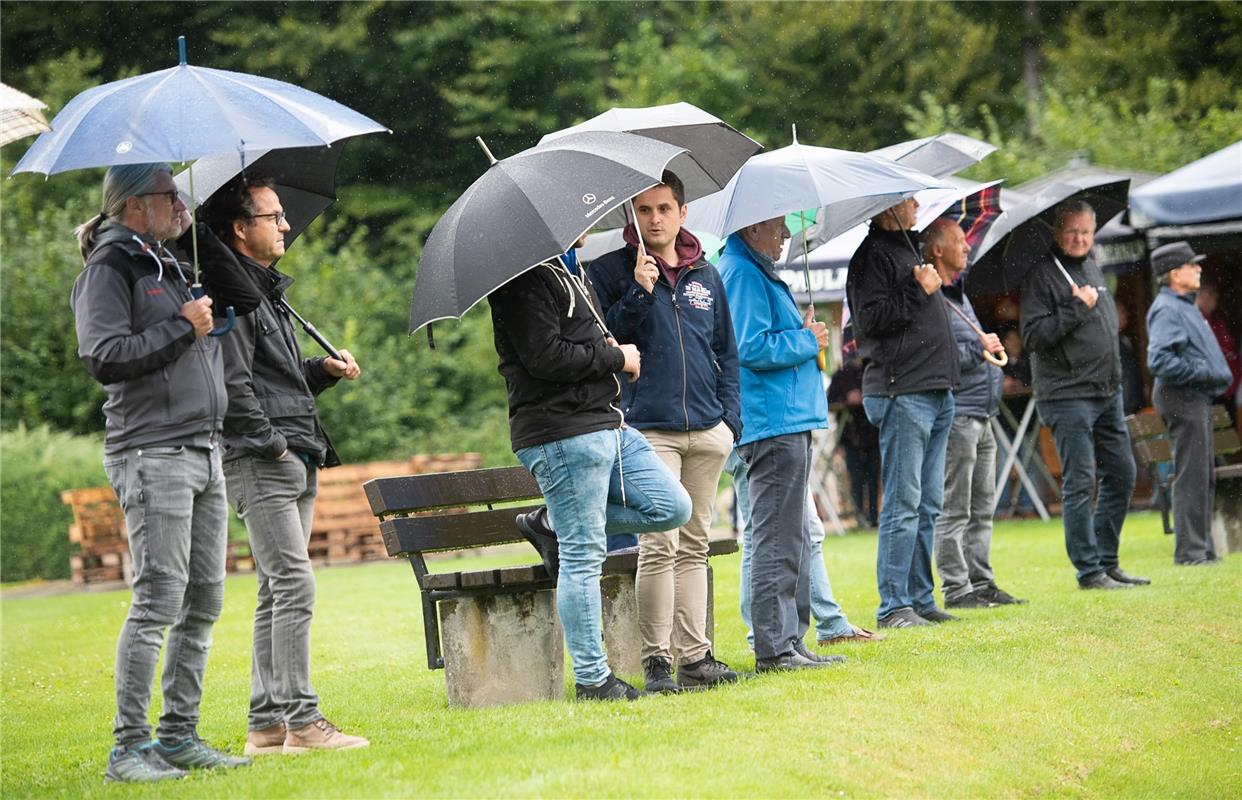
[988, 357]
[230, 316]
[991, 359]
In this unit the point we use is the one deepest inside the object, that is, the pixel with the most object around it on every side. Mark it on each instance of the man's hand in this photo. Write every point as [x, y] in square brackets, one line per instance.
[818, 328]
[992, 344]
[347, 368]
[633, 359]
[198, 312]
[646, 272]
[1087, 294]
[927, 277]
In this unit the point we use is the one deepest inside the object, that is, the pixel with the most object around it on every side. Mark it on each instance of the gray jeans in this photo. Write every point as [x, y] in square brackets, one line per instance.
[963, 533]
[276, 500]
[177, 519]
[1188, 415]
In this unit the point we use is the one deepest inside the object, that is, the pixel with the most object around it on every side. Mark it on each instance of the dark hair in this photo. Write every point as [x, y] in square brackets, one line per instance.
[1071, 207]
[676, 186]
[233, 201]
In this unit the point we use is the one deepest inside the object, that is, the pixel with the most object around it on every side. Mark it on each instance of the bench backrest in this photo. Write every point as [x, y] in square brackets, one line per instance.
[1151, 438]
[427, 513]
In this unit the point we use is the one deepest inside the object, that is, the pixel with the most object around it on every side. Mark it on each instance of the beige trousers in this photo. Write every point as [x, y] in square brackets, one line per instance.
[672, 566]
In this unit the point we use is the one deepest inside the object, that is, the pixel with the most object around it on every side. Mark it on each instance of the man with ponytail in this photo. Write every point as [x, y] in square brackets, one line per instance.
[145, 338]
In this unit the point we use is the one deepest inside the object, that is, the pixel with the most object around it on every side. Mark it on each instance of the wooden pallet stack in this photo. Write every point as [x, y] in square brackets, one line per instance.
[99, 531]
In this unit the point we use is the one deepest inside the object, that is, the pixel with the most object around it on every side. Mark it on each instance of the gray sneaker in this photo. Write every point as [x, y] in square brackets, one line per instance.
[936, 616]
[801, 649]
[787, 663]
[1102, 580]
[658, 676]
[901, 618]
[707, 671]
[139, 763]
[194, 753]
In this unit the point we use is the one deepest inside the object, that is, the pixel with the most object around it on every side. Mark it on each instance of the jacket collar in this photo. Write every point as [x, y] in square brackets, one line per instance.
[737, 245]
[271, 281]
[1188, 297]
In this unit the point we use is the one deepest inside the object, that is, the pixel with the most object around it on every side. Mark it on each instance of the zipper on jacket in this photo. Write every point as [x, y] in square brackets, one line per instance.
[681, 344]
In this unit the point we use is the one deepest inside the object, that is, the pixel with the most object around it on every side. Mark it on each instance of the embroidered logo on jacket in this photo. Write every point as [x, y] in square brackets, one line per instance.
[698, 296]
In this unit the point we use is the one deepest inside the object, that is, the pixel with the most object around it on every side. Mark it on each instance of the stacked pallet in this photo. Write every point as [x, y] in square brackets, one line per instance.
[98, 530]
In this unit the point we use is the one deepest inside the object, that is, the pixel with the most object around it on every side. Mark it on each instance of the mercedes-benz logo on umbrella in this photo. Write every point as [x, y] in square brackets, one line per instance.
[124, 147]
[589, 199]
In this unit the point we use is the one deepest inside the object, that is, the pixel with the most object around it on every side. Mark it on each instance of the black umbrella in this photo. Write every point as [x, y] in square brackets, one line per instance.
[528, 209]
[1023, 234]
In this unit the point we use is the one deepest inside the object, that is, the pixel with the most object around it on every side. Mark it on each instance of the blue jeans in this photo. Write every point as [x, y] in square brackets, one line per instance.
[830, 620]
[583, 479]
[914, 433]
[1091, 437]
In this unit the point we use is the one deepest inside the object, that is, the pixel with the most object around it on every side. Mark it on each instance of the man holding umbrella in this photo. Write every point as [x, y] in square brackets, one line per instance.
[1069, 326]
[273, 446]
[142, 335]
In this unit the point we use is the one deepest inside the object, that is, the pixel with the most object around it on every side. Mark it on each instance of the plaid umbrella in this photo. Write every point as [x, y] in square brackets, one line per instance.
[20, 115]
[975, 213]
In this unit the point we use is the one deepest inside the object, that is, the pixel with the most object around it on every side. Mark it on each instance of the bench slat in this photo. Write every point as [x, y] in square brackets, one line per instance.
[408, 493]
[1225, 441]
[406, 535]
[1145, 426]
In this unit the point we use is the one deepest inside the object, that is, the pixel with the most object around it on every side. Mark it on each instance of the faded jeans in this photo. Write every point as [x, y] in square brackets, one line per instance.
[177, 519]
[830, 620]
[276, 500]
[963, 530]
[914, 432]
[582, 479]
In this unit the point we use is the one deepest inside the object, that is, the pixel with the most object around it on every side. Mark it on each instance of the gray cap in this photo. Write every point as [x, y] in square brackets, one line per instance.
[1168, 257]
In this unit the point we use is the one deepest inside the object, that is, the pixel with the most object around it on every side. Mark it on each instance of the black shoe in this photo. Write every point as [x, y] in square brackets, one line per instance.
[707, 671]
[936, 616]
[971, 600]
[802, 650]
[995, 594]
[1199, 562]
[613, 688]
[658, 676]
[1101, 580]
[901, 618]
[786, 663]
[1121, 576]
[534, 526]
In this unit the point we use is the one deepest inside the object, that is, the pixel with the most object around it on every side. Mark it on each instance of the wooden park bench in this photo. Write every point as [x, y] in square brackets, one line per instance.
[1153, 448]
[495, 631]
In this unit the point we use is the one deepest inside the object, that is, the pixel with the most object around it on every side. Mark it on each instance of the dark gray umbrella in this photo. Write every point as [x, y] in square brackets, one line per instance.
[528, 209]
[1023, 234]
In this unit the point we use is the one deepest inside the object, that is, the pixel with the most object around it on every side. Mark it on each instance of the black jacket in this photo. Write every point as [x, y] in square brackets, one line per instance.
[689, 380]
[1073, 349]
[903, 333]
[559, 369]
[271, 388]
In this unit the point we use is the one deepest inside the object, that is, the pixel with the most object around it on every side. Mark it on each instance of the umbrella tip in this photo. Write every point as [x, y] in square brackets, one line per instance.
[793, 127]
[491, 158]
[181, 48]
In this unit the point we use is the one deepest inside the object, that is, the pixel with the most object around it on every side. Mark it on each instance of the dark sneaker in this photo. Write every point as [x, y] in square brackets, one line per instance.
[707, 671]
[936, 616]
[787, 663]
[194, 753]
[970, 600]
[1121, 576]
[901, 618]
[1101, 580]
[139, 764]
[613, 688]
[534, 526]
[801, 650]
[658, 676]
[1000, 597]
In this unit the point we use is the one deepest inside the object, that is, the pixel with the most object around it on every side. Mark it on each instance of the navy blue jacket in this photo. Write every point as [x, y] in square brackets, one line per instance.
[689, 378]
[1182, 351]
[978, 392]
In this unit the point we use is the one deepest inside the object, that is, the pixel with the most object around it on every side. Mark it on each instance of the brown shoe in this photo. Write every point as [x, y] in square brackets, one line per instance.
[266, 741]
[320, 735]
[858, 635]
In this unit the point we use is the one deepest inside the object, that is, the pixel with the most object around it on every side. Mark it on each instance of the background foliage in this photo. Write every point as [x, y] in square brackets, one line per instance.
[1143, 86]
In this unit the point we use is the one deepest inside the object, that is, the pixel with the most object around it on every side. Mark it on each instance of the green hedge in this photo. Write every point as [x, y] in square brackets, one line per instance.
[35, 467]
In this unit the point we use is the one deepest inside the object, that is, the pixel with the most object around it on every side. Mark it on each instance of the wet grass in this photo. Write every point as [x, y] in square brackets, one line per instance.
[1080, 694]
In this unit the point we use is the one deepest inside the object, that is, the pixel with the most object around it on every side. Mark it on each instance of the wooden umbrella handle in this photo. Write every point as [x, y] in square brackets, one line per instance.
[991, 359]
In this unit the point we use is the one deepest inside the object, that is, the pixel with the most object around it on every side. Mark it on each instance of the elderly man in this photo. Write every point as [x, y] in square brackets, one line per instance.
[671, 305]
[144, 337]
[1069, 326]
[963, 533]
[904, 336]
[1190, 370]
[273, 445]
[782, 402]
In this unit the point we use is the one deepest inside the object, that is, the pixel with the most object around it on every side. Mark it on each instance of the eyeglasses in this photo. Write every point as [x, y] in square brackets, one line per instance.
[171, 194]
[277, 216]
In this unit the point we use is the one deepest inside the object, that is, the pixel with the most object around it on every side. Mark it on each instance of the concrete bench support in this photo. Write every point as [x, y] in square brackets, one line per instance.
[1227, 515]
[621, 636]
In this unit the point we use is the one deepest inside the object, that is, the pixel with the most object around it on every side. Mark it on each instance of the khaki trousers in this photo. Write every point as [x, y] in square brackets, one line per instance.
[672, 566]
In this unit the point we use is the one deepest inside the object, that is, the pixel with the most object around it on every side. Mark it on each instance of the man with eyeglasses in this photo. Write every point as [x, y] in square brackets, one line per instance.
[273, 446]
[145, 338]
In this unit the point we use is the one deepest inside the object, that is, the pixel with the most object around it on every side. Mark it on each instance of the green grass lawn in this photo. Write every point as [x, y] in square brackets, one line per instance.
[1099, 694]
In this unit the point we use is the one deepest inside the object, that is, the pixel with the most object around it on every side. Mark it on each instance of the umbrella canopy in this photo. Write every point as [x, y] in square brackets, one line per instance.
[845, 186]
[20, 115]
[714, 149]
[940, 155]
[1206, 190]
[184, 113]
[1024, 233]
[527, 209]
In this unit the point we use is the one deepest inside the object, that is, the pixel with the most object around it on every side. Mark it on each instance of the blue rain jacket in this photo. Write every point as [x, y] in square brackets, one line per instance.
[1181, 348]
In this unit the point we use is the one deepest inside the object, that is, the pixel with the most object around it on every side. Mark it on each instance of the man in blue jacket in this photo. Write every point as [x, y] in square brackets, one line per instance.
[669, 302]
[782, 402]
[1189, 370]
[963, 532]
